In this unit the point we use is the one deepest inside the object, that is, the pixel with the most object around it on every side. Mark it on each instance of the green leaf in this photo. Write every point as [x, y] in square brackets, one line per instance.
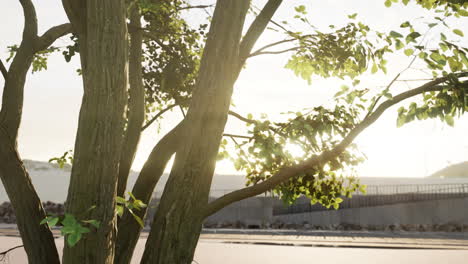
[120, 200]
[454, 65]
[73, 238]
[395, 34]
[388, 3]
[399, 45]
[449, 120]
[138, 219]
[438, 58]
[411, 37]
[405, 24]
[69, 220]
[92, 222]
[458, 32]
[120, 210]
[401, 120]
[374, 68]
[53, 221]
[409, 52]
[353, 16]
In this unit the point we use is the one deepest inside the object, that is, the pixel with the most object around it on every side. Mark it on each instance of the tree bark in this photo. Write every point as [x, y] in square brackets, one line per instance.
[176, 228]
[37, 239]
[129, 229]
[103, 50]
[136, 104]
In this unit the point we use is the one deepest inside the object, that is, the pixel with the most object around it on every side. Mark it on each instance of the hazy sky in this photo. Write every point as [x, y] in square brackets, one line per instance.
[53, 97]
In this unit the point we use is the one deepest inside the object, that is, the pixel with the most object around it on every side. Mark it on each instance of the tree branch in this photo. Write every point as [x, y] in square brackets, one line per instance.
[3, 70]
[289, 172]
[193, 7]
[157, 116]
[256, 28]
[273, 52]
[3, 254]
[44, 41]
[129, 229]
[30, 20]
[241, 118]
[279, 43]
[236, 136]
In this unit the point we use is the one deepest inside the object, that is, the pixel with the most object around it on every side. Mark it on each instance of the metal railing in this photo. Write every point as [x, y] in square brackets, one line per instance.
[378, 195]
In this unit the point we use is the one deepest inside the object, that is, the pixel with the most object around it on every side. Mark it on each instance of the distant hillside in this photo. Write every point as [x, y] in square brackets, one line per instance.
[459, 170]
[51, 182]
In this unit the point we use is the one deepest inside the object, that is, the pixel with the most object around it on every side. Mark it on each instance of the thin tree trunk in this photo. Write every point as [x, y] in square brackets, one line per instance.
[136, 105]
[129, 229]
[179, 216]
[37, 239]
[102, 37]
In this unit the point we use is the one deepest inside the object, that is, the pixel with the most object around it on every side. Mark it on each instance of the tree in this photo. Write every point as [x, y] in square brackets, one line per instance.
[111, 119]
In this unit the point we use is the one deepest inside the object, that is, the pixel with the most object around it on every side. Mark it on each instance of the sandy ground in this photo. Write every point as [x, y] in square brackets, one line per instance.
[216, 251]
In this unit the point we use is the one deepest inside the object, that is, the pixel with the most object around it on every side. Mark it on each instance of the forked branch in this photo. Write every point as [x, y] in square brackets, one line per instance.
[49, 37]
[290, 172]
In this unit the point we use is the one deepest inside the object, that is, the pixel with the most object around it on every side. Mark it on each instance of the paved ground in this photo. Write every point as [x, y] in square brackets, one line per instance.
[296, 247]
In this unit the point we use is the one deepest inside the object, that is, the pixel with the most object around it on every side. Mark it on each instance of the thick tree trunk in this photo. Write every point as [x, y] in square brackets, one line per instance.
[179, 216]
[103, 50]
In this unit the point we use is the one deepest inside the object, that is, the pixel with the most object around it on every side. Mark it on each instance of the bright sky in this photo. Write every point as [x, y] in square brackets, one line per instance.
[53, 97]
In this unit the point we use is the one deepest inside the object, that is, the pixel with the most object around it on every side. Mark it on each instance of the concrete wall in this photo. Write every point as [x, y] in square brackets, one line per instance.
[255, 209]
[429, 212]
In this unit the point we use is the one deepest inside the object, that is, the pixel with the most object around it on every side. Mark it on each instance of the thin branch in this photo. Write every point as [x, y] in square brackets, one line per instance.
[386, 88]
[279, 43]
[236, 136]
[182, 110]
[49, 37]
[414, 80]
[317, 160]
[157, 116]
[256, 28]
[274, 44]
[3, 70]
[3, 254]
[241, 118]
[273, 52]
[193, 7]
[276, 23]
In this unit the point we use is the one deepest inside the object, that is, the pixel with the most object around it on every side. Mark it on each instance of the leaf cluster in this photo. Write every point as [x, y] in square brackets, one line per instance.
[130, 204]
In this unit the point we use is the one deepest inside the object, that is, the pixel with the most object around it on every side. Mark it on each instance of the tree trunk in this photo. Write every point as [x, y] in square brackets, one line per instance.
[136, 104]
[176, 229]
[129, 229]
[37, 239]
[103, 51]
